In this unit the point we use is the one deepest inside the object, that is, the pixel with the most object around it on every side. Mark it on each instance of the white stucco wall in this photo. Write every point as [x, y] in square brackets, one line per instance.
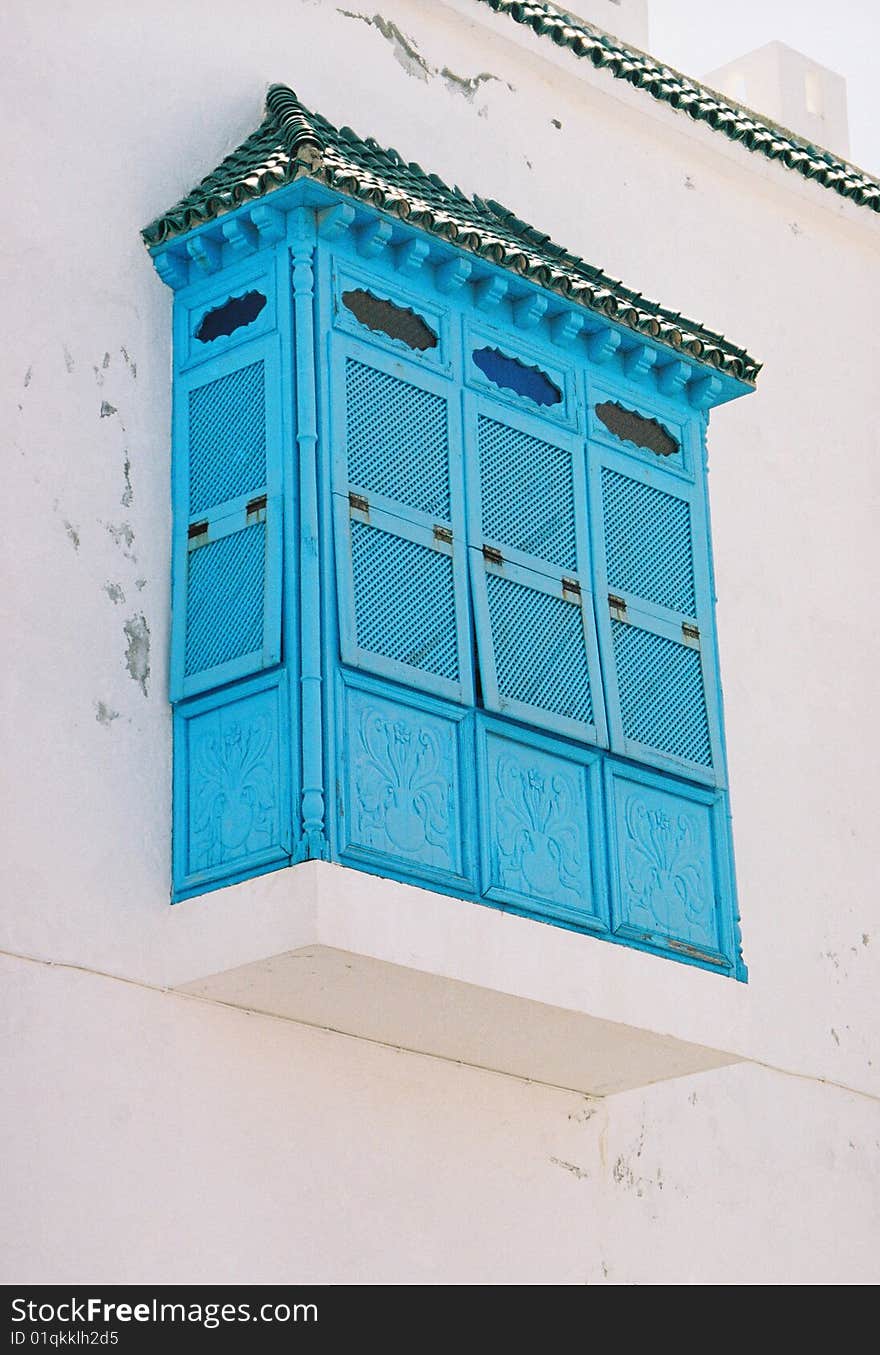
[152, 1136]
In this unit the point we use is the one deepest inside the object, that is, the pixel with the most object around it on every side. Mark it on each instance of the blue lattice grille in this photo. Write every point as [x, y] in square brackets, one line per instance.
[662, 702]
[398, 440]
[648, 543]
[540, 653]
[404, 601]
[527, 492]
[227, 438]
[224, 618]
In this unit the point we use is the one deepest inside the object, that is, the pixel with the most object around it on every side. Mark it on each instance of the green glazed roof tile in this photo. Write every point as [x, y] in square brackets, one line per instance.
[293, 143]
[699, 102]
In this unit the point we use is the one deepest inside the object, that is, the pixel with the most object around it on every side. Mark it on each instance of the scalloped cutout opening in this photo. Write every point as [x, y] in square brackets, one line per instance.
[511, 374]
[630, 426]
[396, 322]
[234, 314]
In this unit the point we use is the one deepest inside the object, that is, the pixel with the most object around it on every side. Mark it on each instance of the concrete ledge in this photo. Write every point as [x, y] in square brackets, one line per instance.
[385, 961]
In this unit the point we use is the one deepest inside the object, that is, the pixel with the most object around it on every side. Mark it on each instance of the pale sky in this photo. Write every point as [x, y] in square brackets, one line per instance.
[696, 37]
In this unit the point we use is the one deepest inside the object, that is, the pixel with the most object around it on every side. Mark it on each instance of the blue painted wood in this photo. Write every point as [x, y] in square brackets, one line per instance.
[192, 304]
[407, 793]
[314, 842]
[668, 852]
[282, 284]
[541, 825]
[655, 615]
[399, 520]
[231, 784]
[673, 415]
[348, 276]
[502, 335]
[380, 755]
[727, 856]
[529, 554]
[227, 542]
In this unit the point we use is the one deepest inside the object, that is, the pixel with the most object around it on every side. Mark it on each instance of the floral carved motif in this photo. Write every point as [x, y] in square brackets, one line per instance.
[540, 830]
[404, 785]
[666, 867]
[233, 786]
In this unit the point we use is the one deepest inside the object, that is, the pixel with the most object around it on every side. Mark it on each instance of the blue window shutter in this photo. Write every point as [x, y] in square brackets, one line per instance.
[655, 617]
[399, 523]
[529, 558]
[226, 612]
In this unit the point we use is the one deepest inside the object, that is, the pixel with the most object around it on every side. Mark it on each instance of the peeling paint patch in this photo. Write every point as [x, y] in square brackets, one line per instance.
[129, 362]
[28, 377]
[585, 1113]
[137, 653]
[122, 535]
[866, 939]
[104, 714]
[406, 53]
[467, 85]
[114, 592]
[795, 228]
[688, 182]
[68, 359]
[580, 1172]
[556, 123]
[835, 1036]
[106, 363]
[624, 1170]
[128, 492]
[140, 583]
[107, 409]
[72, 533]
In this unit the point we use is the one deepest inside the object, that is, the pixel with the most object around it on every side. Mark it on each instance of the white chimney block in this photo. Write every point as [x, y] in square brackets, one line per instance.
[789, 88]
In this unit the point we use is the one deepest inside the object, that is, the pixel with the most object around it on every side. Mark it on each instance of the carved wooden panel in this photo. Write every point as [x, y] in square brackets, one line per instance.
[232, 785]
[402, 803]
[667, 886]
[541, 838]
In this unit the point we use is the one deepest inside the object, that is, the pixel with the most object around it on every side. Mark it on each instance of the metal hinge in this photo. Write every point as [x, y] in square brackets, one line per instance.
[571, 586]
[359, 503]
[493, 556]
[617, 607]
[690, 634]
[256, 506]
[195, 534]
[443, 534]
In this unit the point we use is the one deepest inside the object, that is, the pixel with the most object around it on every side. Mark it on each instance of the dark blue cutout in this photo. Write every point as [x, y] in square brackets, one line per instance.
[514, 375]
[234, 314]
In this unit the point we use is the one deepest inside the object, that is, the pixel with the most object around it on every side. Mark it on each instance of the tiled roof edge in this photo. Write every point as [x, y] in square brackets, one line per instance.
[698, 101]
[291, 143]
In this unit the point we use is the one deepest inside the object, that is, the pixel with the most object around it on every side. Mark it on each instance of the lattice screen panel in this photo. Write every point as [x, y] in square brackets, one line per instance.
[539, 648]
[662, 700]
[226, 585]
[397, 439]
[227, 438]
[404, 601]
[527, 493]
[648, 543]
